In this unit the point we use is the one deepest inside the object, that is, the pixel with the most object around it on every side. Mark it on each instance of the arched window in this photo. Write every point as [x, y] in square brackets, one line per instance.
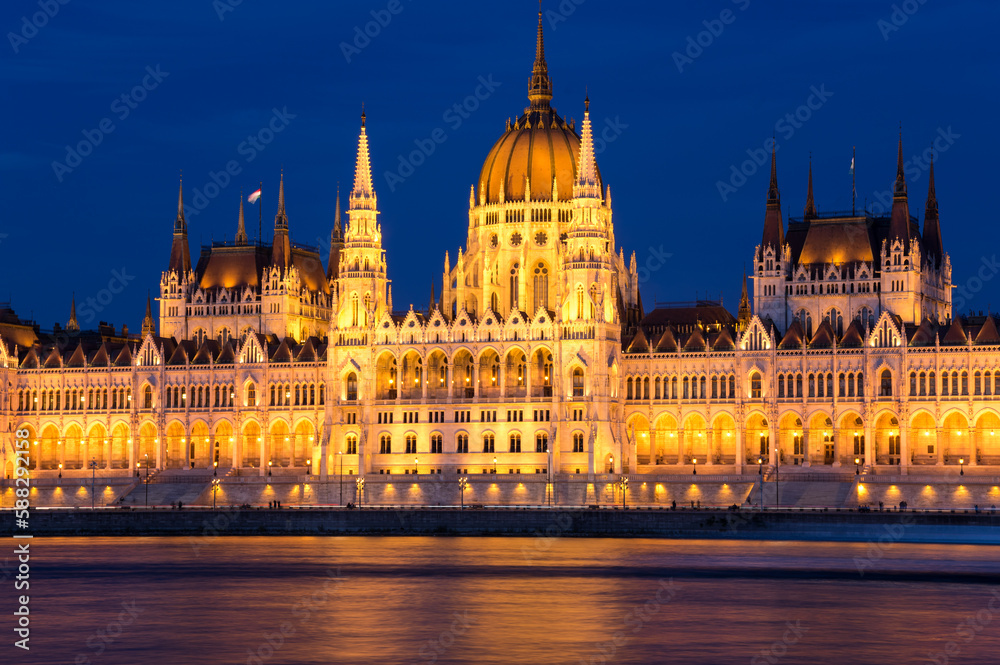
[732, 387]
[462, 443]
[885, 389]
[437, 443]
[628, 388]
[411, 444]
[755, 386]
[352, 386]
[541, 442]
[577, 382]
[352, 444]
[251, 395]
[515, 281]
[147, 398]
[579, 301]
[577, 442]
[540, 287]
[488, 443]
[515, 443]
[385, 444]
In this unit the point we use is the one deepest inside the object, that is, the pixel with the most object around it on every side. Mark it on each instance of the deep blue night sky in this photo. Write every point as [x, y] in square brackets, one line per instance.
[678, 132]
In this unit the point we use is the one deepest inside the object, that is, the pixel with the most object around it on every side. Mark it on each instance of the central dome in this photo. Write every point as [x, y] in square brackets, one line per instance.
[540, 147]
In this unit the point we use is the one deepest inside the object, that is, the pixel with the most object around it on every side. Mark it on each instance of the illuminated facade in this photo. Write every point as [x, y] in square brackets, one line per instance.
[536, 358]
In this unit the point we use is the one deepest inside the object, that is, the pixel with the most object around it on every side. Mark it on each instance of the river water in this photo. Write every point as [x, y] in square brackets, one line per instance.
[506, 600]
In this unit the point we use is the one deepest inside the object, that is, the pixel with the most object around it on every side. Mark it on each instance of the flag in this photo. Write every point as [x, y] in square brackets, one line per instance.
[256, 195]
[852, 169]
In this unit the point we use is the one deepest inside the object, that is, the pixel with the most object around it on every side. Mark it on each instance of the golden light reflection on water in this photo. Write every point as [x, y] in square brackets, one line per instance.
[504, 600]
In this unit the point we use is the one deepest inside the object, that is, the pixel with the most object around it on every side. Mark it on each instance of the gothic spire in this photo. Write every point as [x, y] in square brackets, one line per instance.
[933, 245]
[281, 251]
[586, 185]
[899, 221]
[241, 229]
[810, 210]
[180, 255]
[743, 315]
[338, 230]
[336, 242]
[148, 325]
[363, 194]
[774, 231]
[72, 325]
[540, 87]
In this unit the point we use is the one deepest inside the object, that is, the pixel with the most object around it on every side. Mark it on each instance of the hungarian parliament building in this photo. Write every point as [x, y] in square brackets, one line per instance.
[536, 355]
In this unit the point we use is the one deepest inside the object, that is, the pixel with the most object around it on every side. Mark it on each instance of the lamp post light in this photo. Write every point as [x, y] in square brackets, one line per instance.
[857, 466]
[146, 455]
[611, 463]
[694, 471]
[361, 491]
[624, 483]
[462, 484]
[60, 470]
[268, 468]
[494, 464]
[93, 480]
[340, 454]
[215, 469]
[215, 488]
[416, 466]
[777, 478]
[760, 491]
[961, 466]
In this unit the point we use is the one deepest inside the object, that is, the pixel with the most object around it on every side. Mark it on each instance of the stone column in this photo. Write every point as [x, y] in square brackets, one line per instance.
[263, 453]
[972, 447]
[741, 452]
[837, 452]
[869, 449]
[710, 435]
[807, 458]
[107, 453]
[939, 447]
[904, 450]
[681, 447]
[450, 377]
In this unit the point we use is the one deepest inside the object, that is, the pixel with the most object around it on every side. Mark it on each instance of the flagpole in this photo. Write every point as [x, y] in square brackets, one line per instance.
[260, 215]
[854, 179]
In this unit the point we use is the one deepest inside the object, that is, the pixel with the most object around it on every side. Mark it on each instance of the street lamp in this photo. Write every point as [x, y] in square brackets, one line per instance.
[694, 471]
[60, 470]
[146, 455]
[416, 466]
[340, 455]
[215, 488]
[611, 463]
[93, 479]
[760, 492]
[215, 468]
[494, 464]
[961, 466]
[361, 490]
[777, 477]
[269, 468]
[624, 483]
[857, 466]
[462, 484]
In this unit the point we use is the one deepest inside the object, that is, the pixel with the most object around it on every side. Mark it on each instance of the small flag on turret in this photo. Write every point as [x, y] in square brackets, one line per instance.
[852, 170]
[256, 195]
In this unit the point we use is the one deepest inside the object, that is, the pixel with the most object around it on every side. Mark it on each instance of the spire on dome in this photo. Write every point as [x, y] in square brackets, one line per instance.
[899, 221]
[241, 229]
[338, 229]
[180, 255]
[587, 185]
[774, 230]
[148, 325]
[810, 210]
[933, 246]
[281, 219]
[540, 88]
[72, 325]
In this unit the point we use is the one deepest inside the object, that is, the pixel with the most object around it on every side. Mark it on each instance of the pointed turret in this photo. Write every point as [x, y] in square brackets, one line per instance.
[743, 316]
[587, 184]
[933, 246]
[363, 194]
[336, 242]
[433, 303]
[810, 210]
[774, 230]
[148, 325]
[281, 252]
[899, 222]
[72, 325]
[540, 87]
[241, 229]
[180, 255]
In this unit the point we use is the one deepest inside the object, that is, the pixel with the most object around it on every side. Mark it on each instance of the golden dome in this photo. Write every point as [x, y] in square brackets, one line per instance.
[539, 146]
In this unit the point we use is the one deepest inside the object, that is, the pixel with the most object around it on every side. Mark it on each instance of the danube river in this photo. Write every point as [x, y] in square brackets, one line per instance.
[507, 600]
